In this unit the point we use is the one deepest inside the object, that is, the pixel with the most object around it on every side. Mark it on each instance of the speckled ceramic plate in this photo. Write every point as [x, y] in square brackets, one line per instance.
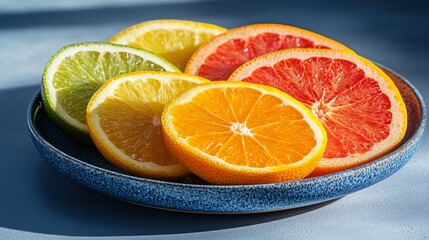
[85, 165]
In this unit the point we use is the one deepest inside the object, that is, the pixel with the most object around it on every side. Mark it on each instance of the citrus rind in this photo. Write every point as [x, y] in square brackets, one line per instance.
[398, 109]
[63, 119]
[114, 154]
[217, 171]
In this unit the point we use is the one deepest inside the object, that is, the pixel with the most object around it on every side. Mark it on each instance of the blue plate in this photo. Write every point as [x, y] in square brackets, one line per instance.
[85, 165]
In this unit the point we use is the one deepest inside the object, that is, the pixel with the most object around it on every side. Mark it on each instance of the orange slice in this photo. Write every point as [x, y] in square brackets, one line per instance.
[175, 40]
[358, 104]
[220, 56]
[242, 133]
[124, 121]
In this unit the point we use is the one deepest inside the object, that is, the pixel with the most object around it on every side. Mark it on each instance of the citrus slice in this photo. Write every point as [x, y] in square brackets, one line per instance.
[242, 133]
[175, 40]
[358, 104]
[76, 71]
[220, 56]
[124, 121]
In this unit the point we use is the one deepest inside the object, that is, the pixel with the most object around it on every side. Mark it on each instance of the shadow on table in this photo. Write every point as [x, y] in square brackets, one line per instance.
[36, 198]
[107, 216]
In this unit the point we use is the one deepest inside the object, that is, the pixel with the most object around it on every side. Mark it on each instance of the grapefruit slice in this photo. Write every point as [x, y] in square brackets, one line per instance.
[358, 104]
[221, 55]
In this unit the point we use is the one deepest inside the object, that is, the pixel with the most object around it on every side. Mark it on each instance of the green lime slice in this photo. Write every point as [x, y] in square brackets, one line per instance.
[76, 71]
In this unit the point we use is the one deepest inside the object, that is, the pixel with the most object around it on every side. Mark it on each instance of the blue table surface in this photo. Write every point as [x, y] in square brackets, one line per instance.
[39, 203]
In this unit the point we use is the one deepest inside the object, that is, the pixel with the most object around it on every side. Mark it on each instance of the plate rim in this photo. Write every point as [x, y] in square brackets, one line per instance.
[413, 141]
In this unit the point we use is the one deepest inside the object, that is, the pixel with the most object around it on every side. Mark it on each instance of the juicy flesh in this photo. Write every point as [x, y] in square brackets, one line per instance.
[353, 109]
[244, 127]
[233, 53]
[80, 75]
[131, 118]
[176, 46]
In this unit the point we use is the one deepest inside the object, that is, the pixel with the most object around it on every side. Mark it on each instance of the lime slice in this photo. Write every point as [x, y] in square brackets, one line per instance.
[76, 71]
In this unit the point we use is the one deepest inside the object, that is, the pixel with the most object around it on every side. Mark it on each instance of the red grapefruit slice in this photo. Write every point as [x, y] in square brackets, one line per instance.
[358, 104]
[221, 55]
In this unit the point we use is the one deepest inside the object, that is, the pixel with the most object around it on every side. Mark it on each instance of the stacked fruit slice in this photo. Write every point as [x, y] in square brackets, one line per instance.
[217, 59]
[175, 40]
[243, 133]
[292, 103]
[358, 104]
[124, 120]
[76, 71]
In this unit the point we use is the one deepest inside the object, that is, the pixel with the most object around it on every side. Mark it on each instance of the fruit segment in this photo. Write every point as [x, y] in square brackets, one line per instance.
[258, 129]
[347, 102]
[219, 57]
[242, 133]
[76, 71]
[358, 104]
[79, 76]
[124, 121]
[175, 40]
[233, 53]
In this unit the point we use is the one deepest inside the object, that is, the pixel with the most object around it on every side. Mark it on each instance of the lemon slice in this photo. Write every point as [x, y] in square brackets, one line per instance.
[175, 40]
[124, 120]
